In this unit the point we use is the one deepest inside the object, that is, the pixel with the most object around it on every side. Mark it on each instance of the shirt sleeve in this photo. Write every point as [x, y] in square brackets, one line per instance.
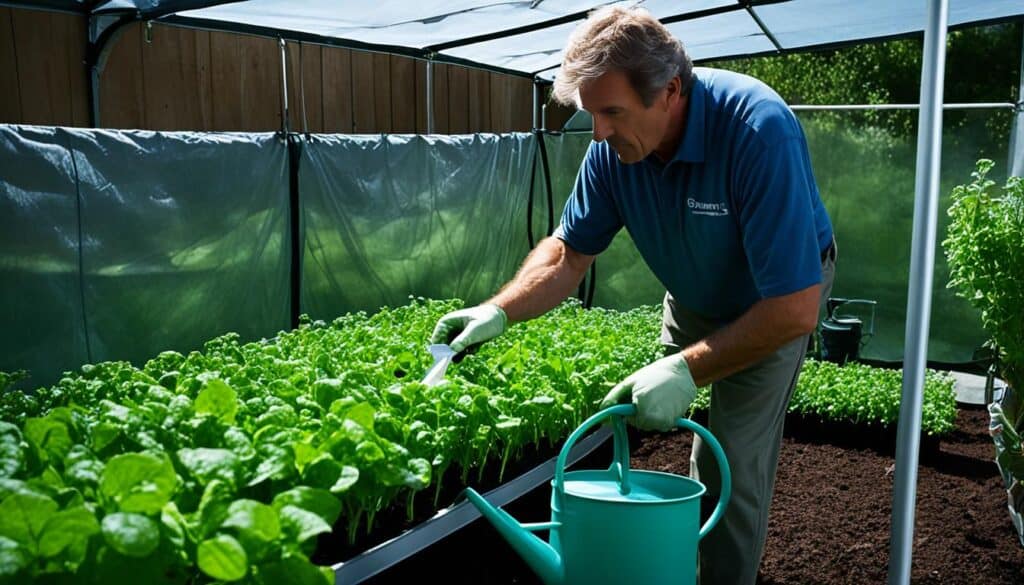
[775, 196]
[590, 218]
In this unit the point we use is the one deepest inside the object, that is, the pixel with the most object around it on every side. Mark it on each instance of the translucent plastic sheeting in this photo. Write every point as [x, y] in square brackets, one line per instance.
[183, 238]
[393, 216]
[864, 166]
[708, 37]
[528, 37]
[395, 22]
[147, 8]
[41, 320]
[186, 239]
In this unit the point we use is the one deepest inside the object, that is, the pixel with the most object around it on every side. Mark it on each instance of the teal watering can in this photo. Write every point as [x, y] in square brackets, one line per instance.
[616, 525]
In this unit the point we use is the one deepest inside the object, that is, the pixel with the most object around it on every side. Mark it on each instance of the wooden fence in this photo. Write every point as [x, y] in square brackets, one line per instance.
[173, 78]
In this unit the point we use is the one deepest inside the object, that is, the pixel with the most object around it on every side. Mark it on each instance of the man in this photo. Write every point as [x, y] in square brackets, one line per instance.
[709, 172]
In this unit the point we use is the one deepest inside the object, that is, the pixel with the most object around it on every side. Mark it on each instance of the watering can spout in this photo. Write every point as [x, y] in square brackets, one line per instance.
[541, 556]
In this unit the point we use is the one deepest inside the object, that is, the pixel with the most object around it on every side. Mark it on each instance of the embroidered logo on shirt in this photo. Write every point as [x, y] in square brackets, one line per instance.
[702, 208]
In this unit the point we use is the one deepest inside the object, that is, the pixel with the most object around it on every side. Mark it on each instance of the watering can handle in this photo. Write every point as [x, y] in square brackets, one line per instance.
[621, 463]
[723, 468]
[621, 451]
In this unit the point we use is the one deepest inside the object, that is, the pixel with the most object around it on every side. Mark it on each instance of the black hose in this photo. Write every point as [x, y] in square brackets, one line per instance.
[529, 200]
[593, 283]
[547, 181]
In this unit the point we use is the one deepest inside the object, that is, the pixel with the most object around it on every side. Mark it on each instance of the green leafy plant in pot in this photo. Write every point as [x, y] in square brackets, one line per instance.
[985, 250]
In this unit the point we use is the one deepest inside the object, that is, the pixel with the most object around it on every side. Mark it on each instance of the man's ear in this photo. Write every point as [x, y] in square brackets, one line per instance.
[674, 89]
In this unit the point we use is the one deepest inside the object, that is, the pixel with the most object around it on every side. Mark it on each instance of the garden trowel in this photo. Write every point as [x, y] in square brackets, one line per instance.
[443, 355]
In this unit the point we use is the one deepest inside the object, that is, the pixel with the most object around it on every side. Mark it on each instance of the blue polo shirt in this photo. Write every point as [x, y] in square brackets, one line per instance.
[734, 217]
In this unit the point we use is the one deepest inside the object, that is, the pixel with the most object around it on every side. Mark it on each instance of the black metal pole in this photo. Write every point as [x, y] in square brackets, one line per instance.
[295, 227]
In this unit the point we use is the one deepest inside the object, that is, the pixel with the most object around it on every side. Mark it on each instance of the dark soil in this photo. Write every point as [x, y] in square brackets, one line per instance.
[831, 512]
[830, 516]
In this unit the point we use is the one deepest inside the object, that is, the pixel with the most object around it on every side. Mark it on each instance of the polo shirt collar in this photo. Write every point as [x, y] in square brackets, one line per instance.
[691, 149]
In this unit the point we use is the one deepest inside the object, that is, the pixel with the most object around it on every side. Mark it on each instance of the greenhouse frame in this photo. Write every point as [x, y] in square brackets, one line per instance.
[158, 231]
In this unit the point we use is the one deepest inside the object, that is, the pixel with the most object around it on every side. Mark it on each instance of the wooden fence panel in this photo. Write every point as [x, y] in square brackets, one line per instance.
[261, 98]
[403, 95]
[337, 90]
[458, 100]
[44, 60]
[306, 86]
[479, 101]
[246, 78]
[225, 81]
[10, 101]
[186, 79]
[521, 96]
[440, 90]
[177, 79]
[122, 89]
[364, 105]
[73, 40]
[382, 91]
[499, 90]
[204, 78]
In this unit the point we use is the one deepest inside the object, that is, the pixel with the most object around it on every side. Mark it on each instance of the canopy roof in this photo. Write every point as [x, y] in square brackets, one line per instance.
[525, 37]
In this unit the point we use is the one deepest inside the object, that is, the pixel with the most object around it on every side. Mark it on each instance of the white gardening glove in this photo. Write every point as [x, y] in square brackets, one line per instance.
[662, 392]
[475, 325]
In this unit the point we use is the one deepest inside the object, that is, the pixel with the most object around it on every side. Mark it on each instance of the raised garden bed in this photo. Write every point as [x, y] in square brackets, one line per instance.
[246, 461]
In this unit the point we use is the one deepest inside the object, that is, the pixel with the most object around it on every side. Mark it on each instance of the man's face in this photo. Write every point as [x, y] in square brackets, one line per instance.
[621, 118]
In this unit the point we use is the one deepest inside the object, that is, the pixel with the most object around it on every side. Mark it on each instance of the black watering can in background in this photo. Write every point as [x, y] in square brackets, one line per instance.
[843, 336]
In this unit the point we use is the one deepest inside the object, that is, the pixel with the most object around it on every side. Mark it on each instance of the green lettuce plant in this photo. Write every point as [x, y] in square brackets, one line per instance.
[224, 465]
[863, 395]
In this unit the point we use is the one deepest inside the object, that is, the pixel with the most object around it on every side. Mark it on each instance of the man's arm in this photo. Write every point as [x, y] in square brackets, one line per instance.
[547, 277]
[765, 327]
[550, 272]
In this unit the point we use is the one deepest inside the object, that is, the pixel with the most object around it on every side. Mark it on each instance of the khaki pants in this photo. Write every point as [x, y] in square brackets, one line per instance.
[747, 413]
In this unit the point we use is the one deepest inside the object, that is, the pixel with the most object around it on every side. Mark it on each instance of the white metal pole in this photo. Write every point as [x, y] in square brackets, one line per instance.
[430, 96]
[919, 299]
[536, 104]
[1016, 163]
[839, 107]
[285, 126]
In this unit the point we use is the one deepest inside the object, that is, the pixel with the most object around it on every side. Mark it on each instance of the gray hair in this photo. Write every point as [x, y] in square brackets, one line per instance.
[625, 39]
